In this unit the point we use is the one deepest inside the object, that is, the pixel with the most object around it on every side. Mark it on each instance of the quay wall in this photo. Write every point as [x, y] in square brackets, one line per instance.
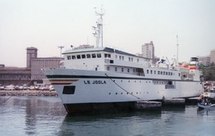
[27, 93]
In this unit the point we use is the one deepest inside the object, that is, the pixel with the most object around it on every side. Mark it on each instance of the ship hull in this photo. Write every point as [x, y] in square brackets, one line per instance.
[82, 90]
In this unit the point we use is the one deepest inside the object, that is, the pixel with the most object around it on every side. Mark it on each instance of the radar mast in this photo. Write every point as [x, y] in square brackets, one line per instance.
[98, 29]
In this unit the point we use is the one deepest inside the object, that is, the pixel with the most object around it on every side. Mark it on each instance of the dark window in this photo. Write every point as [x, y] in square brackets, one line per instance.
[78, 56]
[107, 56]
[99, 55]
[115, 68]
[69, 57]
[83, 56]
[147, 71]
[122, 69]
[111, 61]
[93, 55]
[88, 56]
[68, 89]
[73, 57]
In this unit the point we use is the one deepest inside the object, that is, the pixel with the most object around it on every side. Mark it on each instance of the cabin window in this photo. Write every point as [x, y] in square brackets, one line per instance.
[78, 56]
[178, 74]
[122, 57]
[158, 72]
[115, 68]
[116, 56]
[151, 71]
[137, 60]
[122, 69]
[154, 72]
[107, 55]
[147, 71]
[111, 61]
[69, 57]
[93, 55]
[83, 56]
[73, 57]
[99, 55]
[88, 56]
[108, 68]
[128, 70]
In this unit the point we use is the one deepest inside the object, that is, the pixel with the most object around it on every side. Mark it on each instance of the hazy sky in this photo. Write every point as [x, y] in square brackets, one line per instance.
[47, 24]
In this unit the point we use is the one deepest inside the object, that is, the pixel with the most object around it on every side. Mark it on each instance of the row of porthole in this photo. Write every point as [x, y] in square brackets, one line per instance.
[134, 81]
[128, 93]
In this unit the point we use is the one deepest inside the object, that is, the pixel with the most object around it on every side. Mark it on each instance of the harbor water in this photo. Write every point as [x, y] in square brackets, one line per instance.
[46, 116]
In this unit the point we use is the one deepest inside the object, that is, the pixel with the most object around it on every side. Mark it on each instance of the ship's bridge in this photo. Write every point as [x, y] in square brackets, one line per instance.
[103, 59]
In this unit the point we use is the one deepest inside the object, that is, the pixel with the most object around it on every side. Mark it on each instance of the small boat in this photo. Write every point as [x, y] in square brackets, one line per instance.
[207, 106]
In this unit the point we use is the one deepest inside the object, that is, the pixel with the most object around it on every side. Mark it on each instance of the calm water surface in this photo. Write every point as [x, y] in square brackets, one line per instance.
[45, 116]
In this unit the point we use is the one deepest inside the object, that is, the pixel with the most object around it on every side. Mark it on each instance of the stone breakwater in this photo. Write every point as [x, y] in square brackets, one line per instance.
[27, 93]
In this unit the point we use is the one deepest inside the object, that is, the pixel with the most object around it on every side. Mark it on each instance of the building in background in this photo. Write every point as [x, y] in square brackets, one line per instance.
[32, 73]
[14, 75]
[148, 51]
[212, 56]
[37, 64]
[204, 60]
[31, 54]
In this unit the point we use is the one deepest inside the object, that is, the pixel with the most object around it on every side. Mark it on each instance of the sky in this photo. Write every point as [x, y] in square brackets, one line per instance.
[128, 24]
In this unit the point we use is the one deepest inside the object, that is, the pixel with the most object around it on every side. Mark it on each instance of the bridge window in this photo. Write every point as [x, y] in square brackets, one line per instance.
[78, 56]
[69, 57]
[99, 55]
[93, 55]
[83, 56]
[73, 57]
[107, 56]
[88, 56]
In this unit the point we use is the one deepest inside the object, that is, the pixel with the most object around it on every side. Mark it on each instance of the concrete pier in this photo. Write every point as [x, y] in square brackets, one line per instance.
[174, 101]
[27, 93]
[148, 105]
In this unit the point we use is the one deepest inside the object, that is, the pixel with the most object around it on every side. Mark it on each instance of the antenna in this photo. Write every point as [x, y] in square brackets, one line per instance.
[60, 47]
[177, 44]
[98, 29]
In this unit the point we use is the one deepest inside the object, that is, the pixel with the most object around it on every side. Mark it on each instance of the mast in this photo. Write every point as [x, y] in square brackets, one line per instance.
[177, 44]
[98, 29]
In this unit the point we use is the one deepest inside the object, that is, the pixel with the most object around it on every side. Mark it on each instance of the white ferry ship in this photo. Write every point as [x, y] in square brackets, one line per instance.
[103, 78]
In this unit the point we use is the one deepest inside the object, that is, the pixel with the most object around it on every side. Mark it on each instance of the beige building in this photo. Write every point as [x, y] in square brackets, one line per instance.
[204, 60]
[38, 64]
[212, 56]
[14, 75]
[148, 51]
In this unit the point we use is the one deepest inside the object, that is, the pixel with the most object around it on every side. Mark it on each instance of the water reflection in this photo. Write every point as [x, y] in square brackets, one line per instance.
[106, 124]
